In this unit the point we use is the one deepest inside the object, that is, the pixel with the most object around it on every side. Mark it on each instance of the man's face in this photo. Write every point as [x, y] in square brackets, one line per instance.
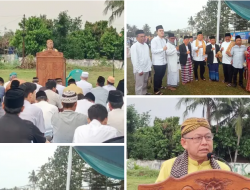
[50, 45]
[198, 150]
[238, 41]
[186, 41]
[32, 97]
[171, 39]
[200, 37]
[191, 39]
[141, 38]
[160, 32]
[228, 38]
[212, 41]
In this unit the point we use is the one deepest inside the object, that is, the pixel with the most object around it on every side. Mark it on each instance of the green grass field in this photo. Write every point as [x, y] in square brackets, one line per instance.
[133, 181]
[94, 73]
[195, 88]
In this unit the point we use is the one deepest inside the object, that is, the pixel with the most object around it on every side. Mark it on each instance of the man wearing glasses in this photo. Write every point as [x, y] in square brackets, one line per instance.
[197, 140]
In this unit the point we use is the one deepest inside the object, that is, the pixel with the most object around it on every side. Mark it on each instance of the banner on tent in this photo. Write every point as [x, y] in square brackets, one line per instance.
[243, 35]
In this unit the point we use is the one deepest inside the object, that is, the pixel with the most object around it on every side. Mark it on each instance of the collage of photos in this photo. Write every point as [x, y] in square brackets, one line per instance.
[73, 80]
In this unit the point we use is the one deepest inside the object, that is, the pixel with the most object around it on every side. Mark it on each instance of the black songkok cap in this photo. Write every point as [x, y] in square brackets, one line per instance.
[115, 96]
[15, 84]
[159, 27]
[89, 96]
[14, 98]
[190, 36]
[121, 86]
[212, 37]
[200, 32]
[227, 34]
[40, 93]
[170, 35]
[238, 36]
[185, 37]
[139, 32]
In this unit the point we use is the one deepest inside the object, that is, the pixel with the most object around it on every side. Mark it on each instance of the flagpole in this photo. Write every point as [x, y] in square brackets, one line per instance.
[218, 22]
[69, 168]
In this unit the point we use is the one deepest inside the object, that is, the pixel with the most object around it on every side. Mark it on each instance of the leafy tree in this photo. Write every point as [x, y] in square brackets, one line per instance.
[37, 33]
[191, 23]
[147, 30]
[63, 26]
[53, 174]
[116, 8]
[234, 112]
[6, 38]
[239, 23]
[206, 19]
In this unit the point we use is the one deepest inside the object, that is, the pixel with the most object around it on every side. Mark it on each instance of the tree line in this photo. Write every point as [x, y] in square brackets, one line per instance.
[162, 140]
[96, 40]
[205, 20]
[53, 174]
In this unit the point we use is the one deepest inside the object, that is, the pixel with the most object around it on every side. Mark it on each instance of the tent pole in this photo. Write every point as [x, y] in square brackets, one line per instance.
[218, 22]
[69, 168]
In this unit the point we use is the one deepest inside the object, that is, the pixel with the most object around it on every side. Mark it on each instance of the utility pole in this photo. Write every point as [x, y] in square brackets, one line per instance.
[23, 37]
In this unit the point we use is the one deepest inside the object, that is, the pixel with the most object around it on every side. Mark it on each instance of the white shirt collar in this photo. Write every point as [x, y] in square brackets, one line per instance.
[95, 122]
[26, 103]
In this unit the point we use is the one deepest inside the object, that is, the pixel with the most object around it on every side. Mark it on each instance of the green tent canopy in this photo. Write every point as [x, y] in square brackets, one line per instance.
[107, 160]
[242, 8]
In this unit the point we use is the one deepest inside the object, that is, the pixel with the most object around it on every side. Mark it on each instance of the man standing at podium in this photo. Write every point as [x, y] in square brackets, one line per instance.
[197, 140]
[50, 46]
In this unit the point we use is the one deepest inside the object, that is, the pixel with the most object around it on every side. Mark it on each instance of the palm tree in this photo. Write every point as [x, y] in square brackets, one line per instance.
[33, 178]
[210, 104]
[233, 110]
[191, 23]
[116, 7]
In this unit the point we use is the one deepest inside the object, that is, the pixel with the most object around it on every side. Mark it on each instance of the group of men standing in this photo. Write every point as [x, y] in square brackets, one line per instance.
[187, 57]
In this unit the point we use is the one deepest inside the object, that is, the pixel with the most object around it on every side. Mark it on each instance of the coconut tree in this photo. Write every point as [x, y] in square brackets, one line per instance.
[191, 23]
[33, 179]
[116, 8]
[210, 104]
[233, 110]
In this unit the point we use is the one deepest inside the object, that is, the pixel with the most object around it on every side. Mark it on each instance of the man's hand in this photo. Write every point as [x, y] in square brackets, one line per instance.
[206, 59]
[201, 46]
[177, 48]
[213, 49]
[216, 56]
[165, 48]
[229, 54]
[188, 52]
[222, 49]
[246, 52]
[141, 73]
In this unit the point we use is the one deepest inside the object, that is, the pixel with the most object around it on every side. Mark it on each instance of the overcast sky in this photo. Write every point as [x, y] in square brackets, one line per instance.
[11, 13]
[161, 107]
[171, 14]
[17, 161]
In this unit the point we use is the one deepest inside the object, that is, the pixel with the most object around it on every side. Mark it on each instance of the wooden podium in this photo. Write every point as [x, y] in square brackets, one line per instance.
[203, 180]
[50, 65]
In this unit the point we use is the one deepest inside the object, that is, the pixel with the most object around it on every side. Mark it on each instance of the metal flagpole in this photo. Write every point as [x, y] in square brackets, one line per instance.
[69, 168]
[218, 22]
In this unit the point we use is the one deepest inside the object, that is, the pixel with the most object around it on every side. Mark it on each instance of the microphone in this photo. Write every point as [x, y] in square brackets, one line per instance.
[211, 155]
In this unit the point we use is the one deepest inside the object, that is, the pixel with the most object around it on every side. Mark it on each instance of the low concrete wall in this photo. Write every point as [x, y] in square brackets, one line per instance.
[240, 168]
[91, 62]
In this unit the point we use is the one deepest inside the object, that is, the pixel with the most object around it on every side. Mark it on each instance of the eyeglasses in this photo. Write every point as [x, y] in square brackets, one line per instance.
[199, 138]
